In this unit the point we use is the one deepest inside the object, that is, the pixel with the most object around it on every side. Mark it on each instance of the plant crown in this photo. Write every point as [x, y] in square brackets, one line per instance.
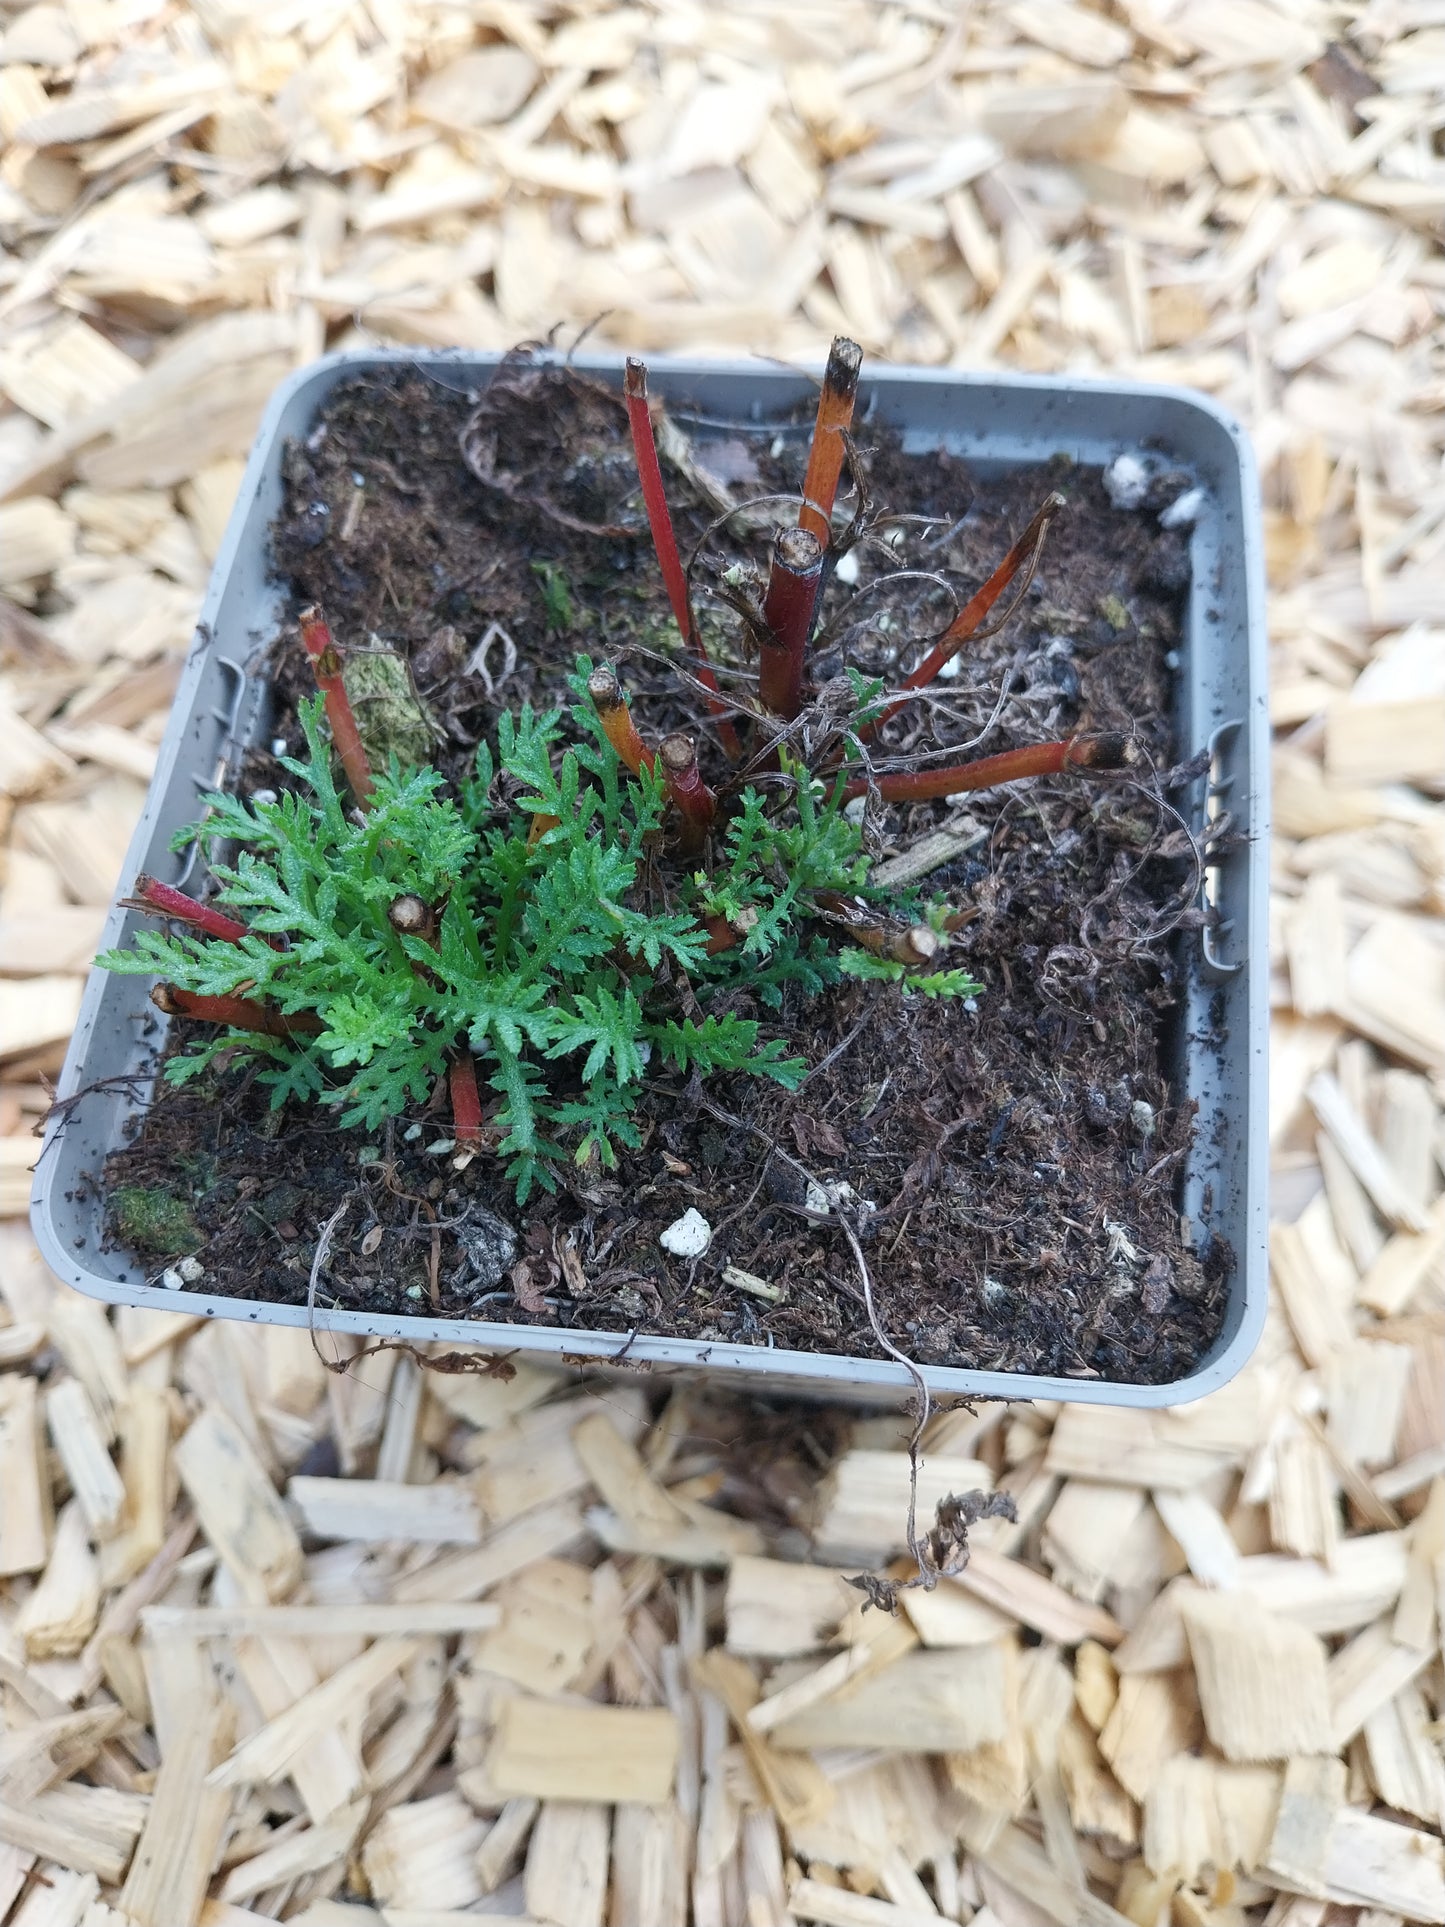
[566, 948]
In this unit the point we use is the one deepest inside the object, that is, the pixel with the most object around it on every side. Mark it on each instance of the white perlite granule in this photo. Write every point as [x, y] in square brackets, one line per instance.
[1126, 481]
[688, 1236]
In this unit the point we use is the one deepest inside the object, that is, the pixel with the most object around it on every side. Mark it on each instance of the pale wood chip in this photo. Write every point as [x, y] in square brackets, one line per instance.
[776, 1610]
[555, 1750]
[840, 1907]
[1262, 1681]
[509, 1550]
[1208, 1814]
[268, 1753]
[239, 1509]
[181, 1841]
[1202, 1536]
[80, 1444]
[650, 1852]
[862, 1505]
[1155, 1716]
[25, 1516]
[308, 1850]
[381, 1510]
[1128, 1446]
[1312, 1794]
[1034, 1600]
[1373, 1862]
[59, 1616]
[422, 1855]
[544, 1627]
[567, 1864]
[1352, 1139]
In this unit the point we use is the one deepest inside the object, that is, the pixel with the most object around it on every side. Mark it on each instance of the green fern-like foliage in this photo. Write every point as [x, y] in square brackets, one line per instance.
[557, 956]
[883, 970]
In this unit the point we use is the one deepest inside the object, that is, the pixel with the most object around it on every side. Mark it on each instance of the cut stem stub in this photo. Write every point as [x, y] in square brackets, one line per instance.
[412, 916]
[794, 577]
[616, 719]
[916, 945]
[696, 804]
[825, 457]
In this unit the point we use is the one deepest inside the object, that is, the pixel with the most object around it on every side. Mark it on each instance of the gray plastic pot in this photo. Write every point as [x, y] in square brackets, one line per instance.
[995, 422]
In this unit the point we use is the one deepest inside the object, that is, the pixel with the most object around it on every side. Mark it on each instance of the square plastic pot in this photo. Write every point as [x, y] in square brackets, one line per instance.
[996, 423]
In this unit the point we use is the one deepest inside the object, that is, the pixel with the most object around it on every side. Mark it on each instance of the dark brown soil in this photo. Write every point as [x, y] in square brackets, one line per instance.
[1023, 1155]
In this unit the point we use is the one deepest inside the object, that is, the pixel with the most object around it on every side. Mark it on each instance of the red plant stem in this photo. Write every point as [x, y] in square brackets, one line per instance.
[695, 802]
[616, 718]
[326, 663]
[166, 901]
[825, 457]
[466, 1099]
[241, 1013]
[664, 541]
[794, 575]
[1036, 759]
[971, 616]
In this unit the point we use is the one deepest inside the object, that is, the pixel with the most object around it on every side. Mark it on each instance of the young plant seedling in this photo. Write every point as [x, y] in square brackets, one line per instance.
[361, 955]
[577, 906]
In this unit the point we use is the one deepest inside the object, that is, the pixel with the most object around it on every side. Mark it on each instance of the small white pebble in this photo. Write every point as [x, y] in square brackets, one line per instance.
[847, 569]
[644, 1051]
[1126, 481]
[688, 1236]
[192, 1270]
[263, 796]
[413, 1291]
[441, 1147]
[1141, 1116]
[278, 745]
[953, 667]
[172, 1279]
[412, 1133]
[856, 808]
[777, 446]
[1184, 512]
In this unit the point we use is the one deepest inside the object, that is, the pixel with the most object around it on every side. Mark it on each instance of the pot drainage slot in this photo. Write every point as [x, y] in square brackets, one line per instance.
[226, 717]
[1224, 872]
